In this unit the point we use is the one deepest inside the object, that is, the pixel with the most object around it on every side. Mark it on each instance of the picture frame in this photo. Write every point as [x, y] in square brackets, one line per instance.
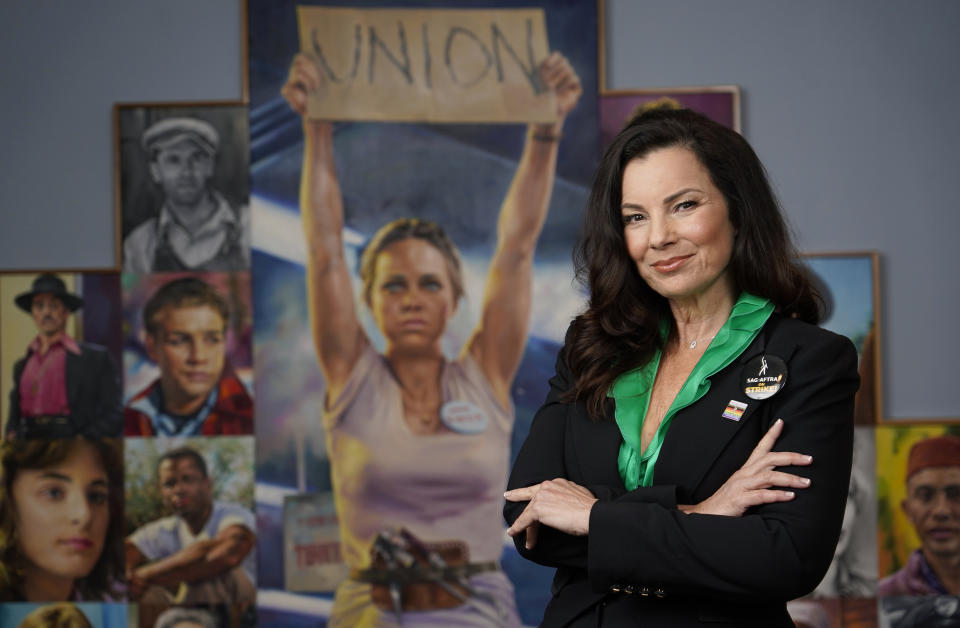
[152, 204]
[141, 371]
[148, 510]
[97, 614]
[896, 536]
[720, 103]
[850, 285]
[96, 322]
[454, 175]
[852, 574]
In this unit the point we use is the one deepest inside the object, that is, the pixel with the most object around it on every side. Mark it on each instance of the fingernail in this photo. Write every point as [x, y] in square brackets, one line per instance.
[806, 481]
[790, 493]
[809, 458]
[779, 421]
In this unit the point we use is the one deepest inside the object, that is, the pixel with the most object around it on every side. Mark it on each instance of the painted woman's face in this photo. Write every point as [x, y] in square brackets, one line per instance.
[62, 513]
[412, 295]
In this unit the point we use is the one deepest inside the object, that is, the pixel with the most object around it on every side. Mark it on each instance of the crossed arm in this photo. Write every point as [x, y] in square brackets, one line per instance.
[199, 561]
[750, 538]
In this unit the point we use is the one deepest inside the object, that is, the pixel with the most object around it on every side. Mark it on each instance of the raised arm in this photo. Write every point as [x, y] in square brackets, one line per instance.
[498, 341]
[337, 333]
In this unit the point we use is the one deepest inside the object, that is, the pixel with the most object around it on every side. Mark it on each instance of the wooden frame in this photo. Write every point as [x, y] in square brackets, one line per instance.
[844, 288]
[138, 199]
[720, 103]
[896, 537]
[601, 47]
[369, 153]
[244, 52]
[98, 321]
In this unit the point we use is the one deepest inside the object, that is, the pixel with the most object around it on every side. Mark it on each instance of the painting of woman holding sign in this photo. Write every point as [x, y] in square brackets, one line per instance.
[419, 444]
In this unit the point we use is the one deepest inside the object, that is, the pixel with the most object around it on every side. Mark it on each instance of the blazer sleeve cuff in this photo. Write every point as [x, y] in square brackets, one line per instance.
[610, 553]
[665, 495]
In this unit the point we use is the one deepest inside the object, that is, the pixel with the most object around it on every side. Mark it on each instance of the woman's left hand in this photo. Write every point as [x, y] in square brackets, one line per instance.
[757, 482]
[559, 503]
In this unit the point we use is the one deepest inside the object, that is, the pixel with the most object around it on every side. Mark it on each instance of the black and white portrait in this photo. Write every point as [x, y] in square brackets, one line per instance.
[183, 194]
[853, 572]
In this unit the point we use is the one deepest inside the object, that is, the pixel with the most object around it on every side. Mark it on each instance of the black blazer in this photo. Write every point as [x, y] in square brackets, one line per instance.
[697, 569]
[93, 392]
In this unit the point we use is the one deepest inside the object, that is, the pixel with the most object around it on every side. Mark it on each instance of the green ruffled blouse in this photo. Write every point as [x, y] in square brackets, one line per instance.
[631, 390]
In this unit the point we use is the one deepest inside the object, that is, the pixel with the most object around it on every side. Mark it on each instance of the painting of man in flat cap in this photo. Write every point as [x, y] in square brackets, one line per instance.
[183, 188]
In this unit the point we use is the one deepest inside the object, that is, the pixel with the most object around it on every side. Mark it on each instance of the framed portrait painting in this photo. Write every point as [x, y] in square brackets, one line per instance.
[720, 103]
[849, 285]
[435, 110]
[182, 186]
[81, 312]
[917, 466]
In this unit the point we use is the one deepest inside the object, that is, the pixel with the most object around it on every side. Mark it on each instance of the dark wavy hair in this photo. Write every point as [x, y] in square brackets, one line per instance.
[619, 330]
[41, 454]
[401, 229]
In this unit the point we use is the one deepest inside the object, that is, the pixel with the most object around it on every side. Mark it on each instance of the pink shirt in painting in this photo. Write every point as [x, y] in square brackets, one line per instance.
[43, 385]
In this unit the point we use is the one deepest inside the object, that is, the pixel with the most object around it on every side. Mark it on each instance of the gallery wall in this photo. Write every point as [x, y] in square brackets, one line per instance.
[848, 104]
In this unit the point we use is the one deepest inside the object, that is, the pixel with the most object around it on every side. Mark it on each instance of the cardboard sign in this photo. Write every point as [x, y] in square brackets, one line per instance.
[427, 65]
[311, 539]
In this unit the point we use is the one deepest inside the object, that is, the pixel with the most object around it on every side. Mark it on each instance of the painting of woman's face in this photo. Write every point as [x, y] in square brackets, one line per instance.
[62, 513]
[412, 297]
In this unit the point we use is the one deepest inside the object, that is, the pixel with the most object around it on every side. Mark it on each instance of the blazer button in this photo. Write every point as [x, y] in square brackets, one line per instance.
[660, 592]
[628, 589]
[616, 588]
[644, 591]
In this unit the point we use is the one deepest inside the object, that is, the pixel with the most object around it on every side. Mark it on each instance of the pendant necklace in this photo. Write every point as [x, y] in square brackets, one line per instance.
[693, 345]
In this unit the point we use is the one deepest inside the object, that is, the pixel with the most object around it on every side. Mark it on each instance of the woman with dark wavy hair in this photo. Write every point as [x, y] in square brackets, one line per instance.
[61, 518]
[648, 478]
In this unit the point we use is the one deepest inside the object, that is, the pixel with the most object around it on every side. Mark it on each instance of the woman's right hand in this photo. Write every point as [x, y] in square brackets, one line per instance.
[304, 78]
[753, 483]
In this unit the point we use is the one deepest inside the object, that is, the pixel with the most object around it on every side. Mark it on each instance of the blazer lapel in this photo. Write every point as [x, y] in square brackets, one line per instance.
[596, 445]
[704, 423]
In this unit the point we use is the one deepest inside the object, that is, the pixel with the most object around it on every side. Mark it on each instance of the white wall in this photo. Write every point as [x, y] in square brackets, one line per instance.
[849, 104]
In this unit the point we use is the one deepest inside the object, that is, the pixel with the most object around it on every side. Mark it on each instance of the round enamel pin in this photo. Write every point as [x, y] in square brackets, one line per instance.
[463, 417]
[763, 377]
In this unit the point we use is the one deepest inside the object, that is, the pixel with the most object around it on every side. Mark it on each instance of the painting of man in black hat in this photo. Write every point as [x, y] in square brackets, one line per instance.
[62, 387]
[184, 188]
